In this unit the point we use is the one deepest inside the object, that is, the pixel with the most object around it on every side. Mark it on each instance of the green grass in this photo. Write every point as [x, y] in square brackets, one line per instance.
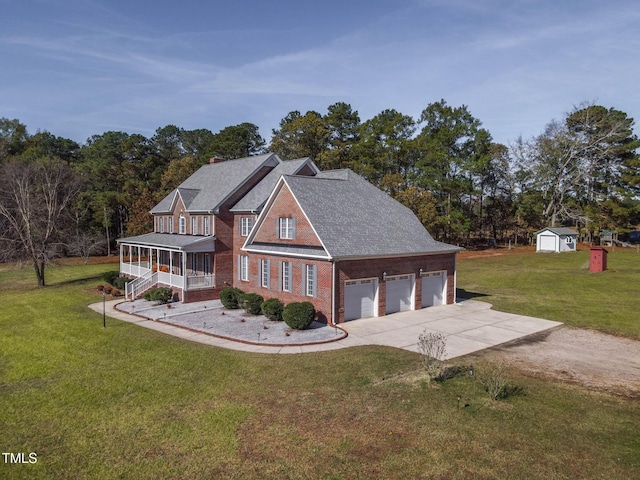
[126, 402]
[559, 287]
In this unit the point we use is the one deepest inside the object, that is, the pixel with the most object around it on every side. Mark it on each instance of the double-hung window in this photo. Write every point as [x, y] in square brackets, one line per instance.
[182, 225]
[265, 274]
[244, 267]
[287, 228]
[246, 224]
[194, 225]
[170, 224]
[161, 224]
[207, 225]
[310, 281]
[286, 277]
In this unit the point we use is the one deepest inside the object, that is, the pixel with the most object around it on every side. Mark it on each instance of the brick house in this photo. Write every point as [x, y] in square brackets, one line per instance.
[283, 229]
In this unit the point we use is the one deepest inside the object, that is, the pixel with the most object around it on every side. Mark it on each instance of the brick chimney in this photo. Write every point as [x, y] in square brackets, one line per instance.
[216, 160]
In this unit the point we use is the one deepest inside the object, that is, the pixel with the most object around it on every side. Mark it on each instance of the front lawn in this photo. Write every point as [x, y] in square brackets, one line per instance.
[559, 286]
[126, 402]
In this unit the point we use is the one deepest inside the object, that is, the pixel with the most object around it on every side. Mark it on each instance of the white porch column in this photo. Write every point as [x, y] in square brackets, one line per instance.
[121, 254]
[184, 270]
[170, 267]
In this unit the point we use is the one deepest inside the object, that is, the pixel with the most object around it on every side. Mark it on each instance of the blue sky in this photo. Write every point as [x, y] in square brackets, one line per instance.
[82, 67]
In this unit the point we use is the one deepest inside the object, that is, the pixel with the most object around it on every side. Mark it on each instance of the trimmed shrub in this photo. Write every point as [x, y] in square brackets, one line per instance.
[251, 302]
[110, 276]
[299, 315]
[120, 282]
[272, 309]
[230, 297]
[160, 294]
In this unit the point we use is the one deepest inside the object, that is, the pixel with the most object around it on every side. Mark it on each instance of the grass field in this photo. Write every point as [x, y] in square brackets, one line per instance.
[560, 287]
[126, 402]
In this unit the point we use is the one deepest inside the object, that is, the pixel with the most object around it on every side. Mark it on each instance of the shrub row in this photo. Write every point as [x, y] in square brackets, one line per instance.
[297, 315]
[113, 277]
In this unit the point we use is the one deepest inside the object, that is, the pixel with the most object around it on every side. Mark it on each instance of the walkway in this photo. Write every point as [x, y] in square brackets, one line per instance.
[469, 326]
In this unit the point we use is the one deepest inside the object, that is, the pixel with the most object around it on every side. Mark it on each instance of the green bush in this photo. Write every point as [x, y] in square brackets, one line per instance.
[110, 276]
[230, 297]
[160, 294]
[120, 282]
[299, 315]
[251, 302]
[272, 309]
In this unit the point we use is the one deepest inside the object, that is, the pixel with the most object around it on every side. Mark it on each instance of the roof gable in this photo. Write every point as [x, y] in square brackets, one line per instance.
[212, 184]
[353, 218]
[558, 231]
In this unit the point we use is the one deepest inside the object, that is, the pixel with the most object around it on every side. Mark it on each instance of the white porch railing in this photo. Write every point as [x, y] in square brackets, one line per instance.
[135, 269]
[140, 285]
[200, 281]
[170, 279]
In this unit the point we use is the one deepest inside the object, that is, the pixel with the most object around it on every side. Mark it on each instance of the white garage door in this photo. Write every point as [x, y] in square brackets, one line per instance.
[433, 288]
[547, 243]
[399, 293]
[359, 298]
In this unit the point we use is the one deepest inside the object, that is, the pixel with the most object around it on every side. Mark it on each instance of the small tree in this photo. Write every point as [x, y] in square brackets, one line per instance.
[432, 347]
[493, 377]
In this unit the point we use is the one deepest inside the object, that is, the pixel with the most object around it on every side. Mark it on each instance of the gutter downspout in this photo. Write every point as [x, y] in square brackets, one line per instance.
[333, 292]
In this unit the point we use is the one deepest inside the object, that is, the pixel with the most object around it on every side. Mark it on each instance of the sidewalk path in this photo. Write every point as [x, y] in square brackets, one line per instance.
[469, 326]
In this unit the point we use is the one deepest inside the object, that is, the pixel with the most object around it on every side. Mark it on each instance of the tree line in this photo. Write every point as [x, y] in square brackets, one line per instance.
[61, 197]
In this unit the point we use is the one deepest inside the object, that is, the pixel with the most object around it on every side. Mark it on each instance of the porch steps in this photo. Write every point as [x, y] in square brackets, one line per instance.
[140, 285]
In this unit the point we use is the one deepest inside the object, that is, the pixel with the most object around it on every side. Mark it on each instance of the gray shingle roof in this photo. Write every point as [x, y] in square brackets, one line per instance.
[212, 184]
[353, 218]
[168, 240]
[559, 231]
[255, 199]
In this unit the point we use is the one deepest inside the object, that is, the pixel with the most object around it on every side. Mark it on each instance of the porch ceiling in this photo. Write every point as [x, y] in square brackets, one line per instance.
[172, 241]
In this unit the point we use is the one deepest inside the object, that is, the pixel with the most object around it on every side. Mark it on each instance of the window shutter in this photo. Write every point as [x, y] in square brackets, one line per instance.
[304, 279]
[240, 226]
[267, 266]
[239, 267]
[315, 281]
[293, 228]
[280, 277]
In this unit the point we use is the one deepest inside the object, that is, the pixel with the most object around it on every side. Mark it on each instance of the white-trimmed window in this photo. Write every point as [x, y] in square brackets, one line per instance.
[170, 224]
[286, 276]
[161, 224]
[287, 228]
[246, 224]
[182, 224]
[207, 225]
[310, 280]
[194, 225]
[244, 267]
[265, 273]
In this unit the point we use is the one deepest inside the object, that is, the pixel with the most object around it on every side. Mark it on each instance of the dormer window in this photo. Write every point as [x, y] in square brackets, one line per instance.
[182, 226]
[161, 224]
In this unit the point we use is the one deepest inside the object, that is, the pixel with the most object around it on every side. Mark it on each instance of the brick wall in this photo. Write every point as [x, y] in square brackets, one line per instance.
[321, 302]
[285, 205]
[369, 268]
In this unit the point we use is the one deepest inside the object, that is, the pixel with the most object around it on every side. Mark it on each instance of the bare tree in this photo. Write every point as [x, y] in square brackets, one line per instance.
[34, 197]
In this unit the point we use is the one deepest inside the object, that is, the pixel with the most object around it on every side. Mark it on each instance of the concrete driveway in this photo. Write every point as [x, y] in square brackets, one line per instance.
[469, 326]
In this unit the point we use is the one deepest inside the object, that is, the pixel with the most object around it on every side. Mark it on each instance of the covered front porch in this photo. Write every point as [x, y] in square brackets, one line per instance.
[183, 262]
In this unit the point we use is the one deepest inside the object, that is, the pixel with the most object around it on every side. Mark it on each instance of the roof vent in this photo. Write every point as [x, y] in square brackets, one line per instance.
[216, 160]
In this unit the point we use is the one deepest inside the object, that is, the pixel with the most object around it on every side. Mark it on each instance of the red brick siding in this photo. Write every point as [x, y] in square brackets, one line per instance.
[369, 268]
[285, 205]
[322, 302]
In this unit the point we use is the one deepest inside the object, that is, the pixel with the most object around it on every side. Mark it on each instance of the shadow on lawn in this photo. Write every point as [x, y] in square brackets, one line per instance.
[461, 293]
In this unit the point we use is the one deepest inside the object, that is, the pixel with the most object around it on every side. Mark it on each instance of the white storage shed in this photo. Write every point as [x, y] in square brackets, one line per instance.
[556, 239]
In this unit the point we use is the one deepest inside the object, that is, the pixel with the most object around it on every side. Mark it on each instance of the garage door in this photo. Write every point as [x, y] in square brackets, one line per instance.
[399, 290]
[433, 288]
[547, 243]
[359, 298]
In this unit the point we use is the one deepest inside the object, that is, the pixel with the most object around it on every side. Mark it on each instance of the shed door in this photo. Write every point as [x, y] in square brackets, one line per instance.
[547, 243]
[433, 284]
[359, 298]
[399, 291]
